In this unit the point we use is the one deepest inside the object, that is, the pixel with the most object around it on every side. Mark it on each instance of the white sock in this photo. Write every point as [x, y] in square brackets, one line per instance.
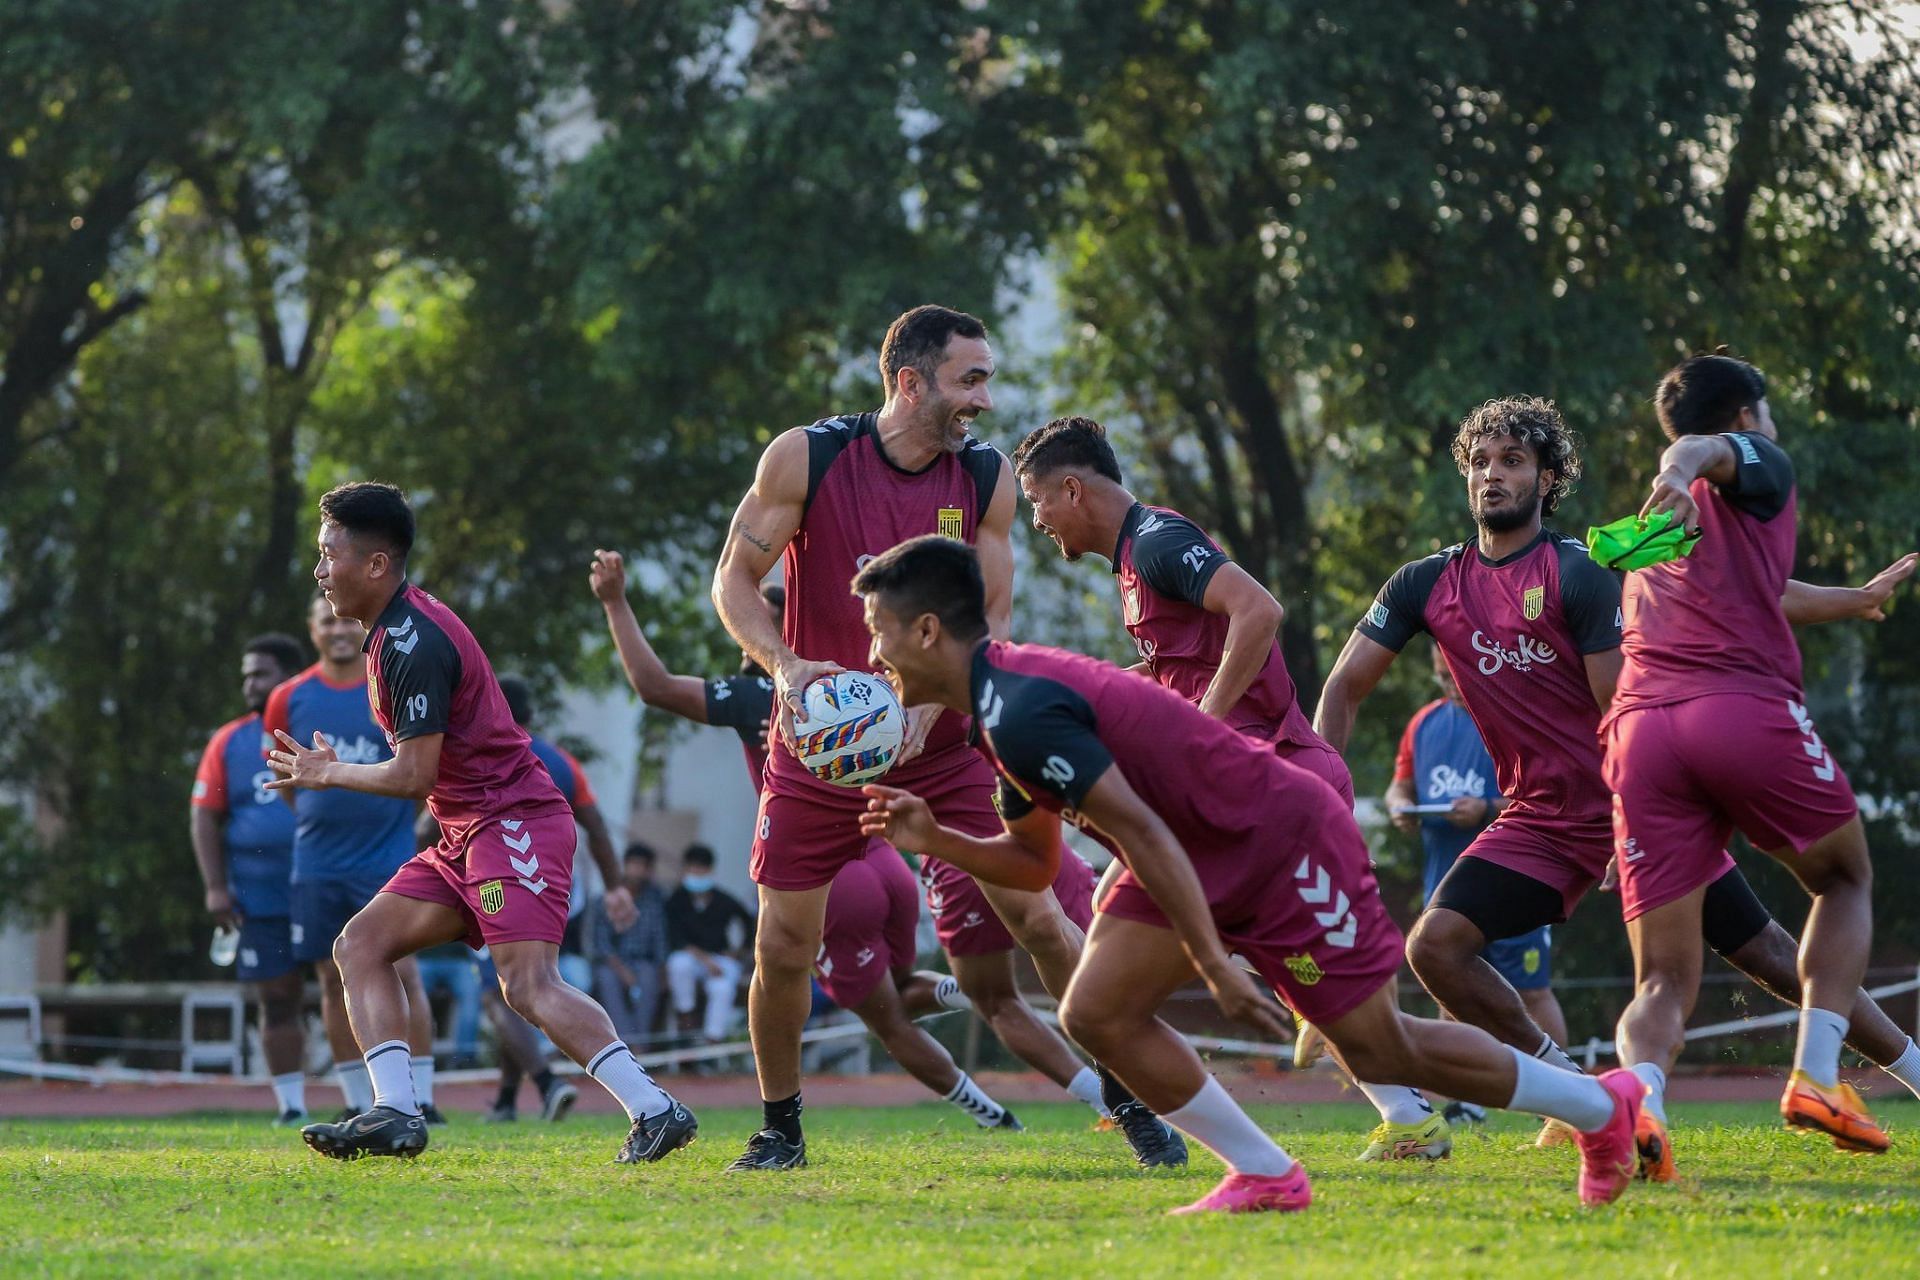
[1656, 1081]
[290, 1092]
[973, 1100]
[1822, 1031]
[1085, 1086]
[1906, 1068]
[421, 1066]
[1553, 1055]
[1216, 1122]
[392, 1076]
[623, 1077]
[1579, 1099]
[948, 995]
[1396, 1103]
[356, 1086]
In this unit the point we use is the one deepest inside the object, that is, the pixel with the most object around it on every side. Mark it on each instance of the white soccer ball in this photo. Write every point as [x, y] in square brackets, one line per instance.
[851, 728]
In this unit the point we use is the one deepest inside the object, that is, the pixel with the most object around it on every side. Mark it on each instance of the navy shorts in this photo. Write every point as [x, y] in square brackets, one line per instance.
[1526, 961]
[266, 948]
[321, 909]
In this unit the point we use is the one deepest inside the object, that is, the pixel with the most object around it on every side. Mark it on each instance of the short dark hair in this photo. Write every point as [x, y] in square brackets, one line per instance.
[639, 850]
[697, 855]
[1067, 442]
[930, 574]
[519, 696]
[1533, 421]
[287, 652]
[918, 340]
[1704, 394]
[370, 509]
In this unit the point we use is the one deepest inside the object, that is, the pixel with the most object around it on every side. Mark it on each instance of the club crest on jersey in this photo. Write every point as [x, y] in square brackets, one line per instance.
[493, 897]
[1533, 601]
[953, 523]
[1305, 970]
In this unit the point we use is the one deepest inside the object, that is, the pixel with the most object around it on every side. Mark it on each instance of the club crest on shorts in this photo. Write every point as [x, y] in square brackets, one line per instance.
[953, 523]
[1533, 602]
[493, 896]
[1304, 969]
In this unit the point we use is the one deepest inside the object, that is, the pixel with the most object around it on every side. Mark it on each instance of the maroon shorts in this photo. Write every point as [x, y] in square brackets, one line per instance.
[1316, 931]
[1320, 760]
[872, 911]
[808, 830]
[1686, 775]
[510, 881]
[966, 921]
[1567, 857]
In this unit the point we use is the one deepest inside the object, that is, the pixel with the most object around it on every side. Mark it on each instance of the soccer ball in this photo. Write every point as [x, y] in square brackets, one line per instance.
[850, 729]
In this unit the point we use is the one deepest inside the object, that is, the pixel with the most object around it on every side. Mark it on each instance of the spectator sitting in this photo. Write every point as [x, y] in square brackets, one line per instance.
[627, 961]
[700, 917]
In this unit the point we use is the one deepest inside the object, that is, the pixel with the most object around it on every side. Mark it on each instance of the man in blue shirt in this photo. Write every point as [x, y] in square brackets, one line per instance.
[243, 842]
[1442, 761]
[346, 844]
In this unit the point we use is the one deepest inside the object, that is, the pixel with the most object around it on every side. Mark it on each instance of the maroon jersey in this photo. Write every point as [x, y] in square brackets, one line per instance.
[1513, 632]
[860, 504]
[1164, 563]
[1711, 622]
[426, 675]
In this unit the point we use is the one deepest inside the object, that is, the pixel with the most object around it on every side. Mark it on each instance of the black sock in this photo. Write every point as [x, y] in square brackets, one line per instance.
[783, 1117]
[543, 1082]
[509, 1086]
[1113, 1094]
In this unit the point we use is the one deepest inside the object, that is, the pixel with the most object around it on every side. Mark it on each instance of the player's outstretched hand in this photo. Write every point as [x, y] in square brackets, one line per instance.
[1879, 588]
[898, 817]
[300, 766]
[618, 903]
[1670, 494]
[608, 577]
[790, 688]
[919, 724]
[1244, 1000]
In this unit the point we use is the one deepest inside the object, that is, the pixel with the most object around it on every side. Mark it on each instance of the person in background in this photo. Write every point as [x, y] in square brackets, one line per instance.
[628, 962]
[700, 919]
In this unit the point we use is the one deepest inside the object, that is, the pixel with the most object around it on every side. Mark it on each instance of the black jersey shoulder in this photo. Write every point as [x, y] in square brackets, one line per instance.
[420, 668]
[742, 702]
[1589, 596]
[1399, 612]
[1763, 477]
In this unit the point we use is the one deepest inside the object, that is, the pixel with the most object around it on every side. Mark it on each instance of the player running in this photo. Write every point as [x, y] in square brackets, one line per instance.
[500, 873]
[345, 845]
[825, 499]
[243, 844]
[1709, 732]
[1530, 629]
[1227, 848]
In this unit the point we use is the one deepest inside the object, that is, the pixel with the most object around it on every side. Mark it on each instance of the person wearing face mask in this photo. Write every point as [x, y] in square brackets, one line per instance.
[702, 952]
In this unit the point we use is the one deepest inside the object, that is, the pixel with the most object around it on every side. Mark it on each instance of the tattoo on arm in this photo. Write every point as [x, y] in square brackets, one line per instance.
[758, 542]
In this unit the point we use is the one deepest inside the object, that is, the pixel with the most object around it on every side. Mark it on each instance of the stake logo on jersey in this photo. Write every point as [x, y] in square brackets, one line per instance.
[1526, 651]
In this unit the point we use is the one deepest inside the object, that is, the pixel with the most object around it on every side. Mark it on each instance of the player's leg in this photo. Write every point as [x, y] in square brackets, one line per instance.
[283, 1041]
[926, 1059]
[989, 983]
[1666, 942]
[924, 993]
[1129, 970]
[1544, 1008]
[779, 999]
[419, 1036]
[1041, 928]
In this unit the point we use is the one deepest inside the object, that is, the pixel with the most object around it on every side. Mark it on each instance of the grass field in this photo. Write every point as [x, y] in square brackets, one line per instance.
[914, 1191]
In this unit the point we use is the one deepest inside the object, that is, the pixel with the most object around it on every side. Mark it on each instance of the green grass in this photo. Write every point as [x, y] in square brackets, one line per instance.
[917, 1192]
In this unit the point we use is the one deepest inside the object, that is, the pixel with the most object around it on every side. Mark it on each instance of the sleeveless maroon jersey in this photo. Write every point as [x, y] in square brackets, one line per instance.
[860, 504]
[1711, 622]
[1164, 562]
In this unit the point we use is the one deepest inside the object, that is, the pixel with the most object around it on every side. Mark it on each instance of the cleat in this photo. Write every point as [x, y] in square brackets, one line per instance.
[431, 1114]
[504, 1113]
[1467, 1115]
[1156, 1144]
[382, 1131]
[558, 1101]
[345, 1114]
[655, 1138]
[290, 1119]
[1309, 1046]
[1837, 1112]
[768, 1150]
[1431, 1139]
[1009, 1122]
[1609, 1158]
[1254, 1193]
[1655, 1148]
[1554, 1133]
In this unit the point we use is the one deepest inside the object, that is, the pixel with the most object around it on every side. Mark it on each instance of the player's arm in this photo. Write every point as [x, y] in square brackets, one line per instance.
[1688, 459]
[763, 524]
[410, 775]
[1361, 665]
[1590, 605]
[206, 828]
[1804, 603]
[684, 696]
[1253, 619]
[994, 543]
[1400, 797]
[1025, 856]
[277, 716]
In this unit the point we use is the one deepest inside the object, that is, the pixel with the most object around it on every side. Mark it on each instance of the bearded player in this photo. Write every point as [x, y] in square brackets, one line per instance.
[1529, 627]
[1227, 847]
[825, 500]
[499, 875]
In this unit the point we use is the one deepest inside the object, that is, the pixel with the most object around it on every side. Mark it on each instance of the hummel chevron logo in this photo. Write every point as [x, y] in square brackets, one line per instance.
[1343, 936]
[991, 705]
[511, 824]
[531, 867]
[404, 629]
[519, 845]
[534, 887]
[1322, 887]
[1332, 916]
